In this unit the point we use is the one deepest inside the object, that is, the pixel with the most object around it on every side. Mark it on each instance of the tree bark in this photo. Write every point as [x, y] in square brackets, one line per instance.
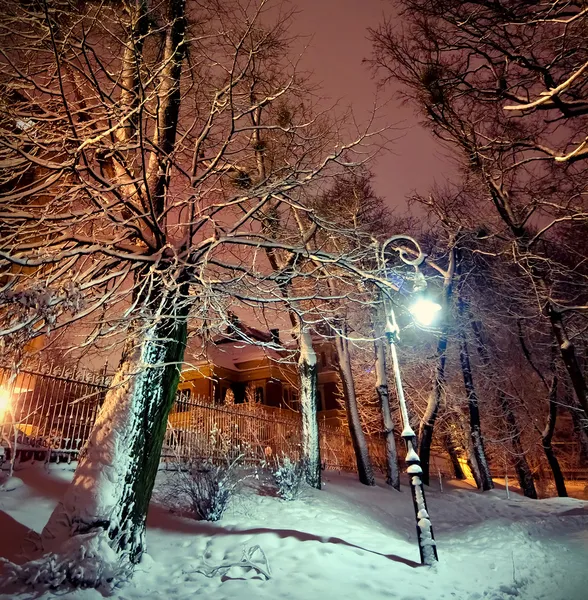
[430, 416]
[477, 440]
[362, 457]
[307, 369]
[473, 465]
[560, 484]
[392, 470]
[106, 504]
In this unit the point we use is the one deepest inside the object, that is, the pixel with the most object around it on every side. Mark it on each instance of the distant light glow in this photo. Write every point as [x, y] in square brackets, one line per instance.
[425, 311]
[4, 403]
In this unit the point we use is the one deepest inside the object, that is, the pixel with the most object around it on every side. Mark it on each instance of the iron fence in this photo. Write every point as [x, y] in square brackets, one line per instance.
[48, 413]
[48, 409]
[197, 429]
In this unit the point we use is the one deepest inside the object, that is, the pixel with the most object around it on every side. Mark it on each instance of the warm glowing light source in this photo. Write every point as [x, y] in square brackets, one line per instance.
[425, 311]
[4, 402]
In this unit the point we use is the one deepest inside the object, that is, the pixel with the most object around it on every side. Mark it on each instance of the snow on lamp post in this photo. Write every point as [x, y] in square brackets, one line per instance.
[424, 311]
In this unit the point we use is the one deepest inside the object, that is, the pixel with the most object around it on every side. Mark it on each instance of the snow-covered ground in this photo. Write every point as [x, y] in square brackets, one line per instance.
[345, 542]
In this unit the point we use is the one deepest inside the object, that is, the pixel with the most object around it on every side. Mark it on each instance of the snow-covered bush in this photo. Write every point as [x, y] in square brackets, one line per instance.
[287, 476]
[203, 487]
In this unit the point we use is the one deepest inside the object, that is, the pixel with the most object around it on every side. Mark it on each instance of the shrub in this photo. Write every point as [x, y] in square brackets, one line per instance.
[287, 476]
[204, 487]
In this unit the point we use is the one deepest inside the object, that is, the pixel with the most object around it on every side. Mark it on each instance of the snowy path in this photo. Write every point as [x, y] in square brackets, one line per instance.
[346, 542]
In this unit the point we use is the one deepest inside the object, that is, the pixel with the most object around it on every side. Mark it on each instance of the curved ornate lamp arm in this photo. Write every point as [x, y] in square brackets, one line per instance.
[402, 253]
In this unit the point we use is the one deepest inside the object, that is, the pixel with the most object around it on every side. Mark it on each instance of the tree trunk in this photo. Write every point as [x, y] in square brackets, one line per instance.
[453, 456]
[547, 436]
[477, 440]
[307, 369]
[392, 470]
[99, 526]
[522, 468]
[430, 416]
[471, 458]
[568, 355]
[580, 429]
[362, 457]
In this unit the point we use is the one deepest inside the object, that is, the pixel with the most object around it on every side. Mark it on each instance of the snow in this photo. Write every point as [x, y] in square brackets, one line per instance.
[346, 542]
[412, 456]
[307, 353]
[307, 368]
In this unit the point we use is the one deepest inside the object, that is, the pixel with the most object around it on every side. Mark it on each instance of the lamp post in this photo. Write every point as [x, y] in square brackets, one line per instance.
[424, 311]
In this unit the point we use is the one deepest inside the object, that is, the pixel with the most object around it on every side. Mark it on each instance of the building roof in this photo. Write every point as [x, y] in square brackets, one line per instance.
[239, 356]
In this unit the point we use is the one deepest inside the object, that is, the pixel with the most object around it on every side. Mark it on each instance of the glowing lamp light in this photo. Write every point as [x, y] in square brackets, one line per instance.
[4, 403]
[425, 311]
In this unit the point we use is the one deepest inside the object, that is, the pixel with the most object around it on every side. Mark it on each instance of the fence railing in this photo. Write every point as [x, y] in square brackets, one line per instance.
[197, 429]
[48, 410]
[48, 413]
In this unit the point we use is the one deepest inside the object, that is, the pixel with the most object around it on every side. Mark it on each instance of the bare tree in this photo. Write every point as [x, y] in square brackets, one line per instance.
[127, 211]
[482, 468]
[308, 371]
[504, 83]
[427, 423]
[511, 425]
[548, 431]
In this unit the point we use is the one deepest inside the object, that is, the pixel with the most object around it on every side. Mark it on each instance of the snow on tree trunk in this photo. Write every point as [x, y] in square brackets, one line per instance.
[392, 470]
[307, 369]
[360, 447]
[97, 531]
[471, 457]
[477, 440]
[524, 474]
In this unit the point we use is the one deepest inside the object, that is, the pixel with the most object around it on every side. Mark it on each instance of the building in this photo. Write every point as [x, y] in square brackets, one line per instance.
[244, 364]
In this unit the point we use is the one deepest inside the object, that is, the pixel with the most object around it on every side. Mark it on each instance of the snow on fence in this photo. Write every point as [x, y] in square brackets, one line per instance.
[47, 412]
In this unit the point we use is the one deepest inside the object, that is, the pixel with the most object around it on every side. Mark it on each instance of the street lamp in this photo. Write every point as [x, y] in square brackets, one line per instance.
[425, 310]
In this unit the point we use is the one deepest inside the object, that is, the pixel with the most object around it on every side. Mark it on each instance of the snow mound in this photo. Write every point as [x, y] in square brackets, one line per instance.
[348, 541]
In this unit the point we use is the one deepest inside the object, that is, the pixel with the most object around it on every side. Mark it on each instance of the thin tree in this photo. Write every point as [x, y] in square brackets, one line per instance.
[484, 479]
[523, 471]
[549, 429]
[429, 417]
